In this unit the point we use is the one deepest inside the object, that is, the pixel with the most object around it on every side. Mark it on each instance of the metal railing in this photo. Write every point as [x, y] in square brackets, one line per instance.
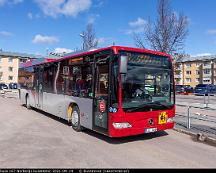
[206, 100]
[202, 122]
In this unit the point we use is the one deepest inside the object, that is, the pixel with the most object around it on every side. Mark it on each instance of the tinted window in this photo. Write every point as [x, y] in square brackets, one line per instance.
[48, 76]
[202, 85]
[26, 77]
[75, 78]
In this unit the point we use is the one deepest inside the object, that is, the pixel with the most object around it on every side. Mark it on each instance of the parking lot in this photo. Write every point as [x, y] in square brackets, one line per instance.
[202, 113]
[33, 139]
[193, 99]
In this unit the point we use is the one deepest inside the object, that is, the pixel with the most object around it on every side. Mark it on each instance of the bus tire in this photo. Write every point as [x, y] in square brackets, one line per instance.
[27, 102]
[75, 119]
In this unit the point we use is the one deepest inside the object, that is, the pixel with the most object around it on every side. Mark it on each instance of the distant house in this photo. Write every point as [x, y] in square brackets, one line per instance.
[9, 65]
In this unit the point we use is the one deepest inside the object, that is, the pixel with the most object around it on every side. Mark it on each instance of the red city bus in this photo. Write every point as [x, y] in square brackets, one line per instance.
[117, 91]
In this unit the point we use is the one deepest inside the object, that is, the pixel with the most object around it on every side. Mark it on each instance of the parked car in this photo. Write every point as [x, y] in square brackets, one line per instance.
[188, 89]
[3, 86]
[205, 89]
[179, 89]
[13, 86]
[184, 89]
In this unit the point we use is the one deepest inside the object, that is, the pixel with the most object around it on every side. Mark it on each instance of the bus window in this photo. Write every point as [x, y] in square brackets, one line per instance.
[87, 89]
[114, 83]
[49, 75]
[26, 77]
[102, 81]
[76, 83]
[82, 81]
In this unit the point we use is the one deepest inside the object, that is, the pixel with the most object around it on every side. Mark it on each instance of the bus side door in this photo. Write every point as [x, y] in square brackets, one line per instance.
[100, 103]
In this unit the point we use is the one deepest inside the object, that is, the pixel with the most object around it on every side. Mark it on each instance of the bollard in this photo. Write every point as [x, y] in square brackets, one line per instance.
[206, 102]
[188, 116]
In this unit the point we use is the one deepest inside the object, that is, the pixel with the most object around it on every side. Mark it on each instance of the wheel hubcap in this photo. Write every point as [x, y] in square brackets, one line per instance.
[75, 118]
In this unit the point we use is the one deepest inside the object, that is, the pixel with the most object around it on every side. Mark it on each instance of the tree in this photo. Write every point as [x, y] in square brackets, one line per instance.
[89, 38]
[168, 33]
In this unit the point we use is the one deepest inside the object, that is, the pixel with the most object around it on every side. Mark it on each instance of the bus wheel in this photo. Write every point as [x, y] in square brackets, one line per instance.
[75, 119]
[27, 102]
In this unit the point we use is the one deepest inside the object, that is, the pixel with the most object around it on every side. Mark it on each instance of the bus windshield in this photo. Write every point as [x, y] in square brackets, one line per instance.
[148, 84]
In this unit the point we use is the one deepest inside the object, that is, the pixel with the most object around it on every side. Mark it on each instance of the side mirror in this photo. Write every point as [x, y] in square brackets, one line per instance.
[123, 64]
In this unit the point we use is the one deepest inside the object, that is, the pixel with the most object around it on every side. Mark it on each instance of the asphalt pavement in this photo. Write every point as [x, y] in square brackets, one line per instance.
[33, 139]
[202, 114]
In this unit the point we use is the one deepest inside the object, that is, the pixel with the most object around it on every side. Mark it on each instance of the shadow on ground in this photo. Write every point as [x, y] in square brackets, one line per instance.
[122, 140]
[105, 138]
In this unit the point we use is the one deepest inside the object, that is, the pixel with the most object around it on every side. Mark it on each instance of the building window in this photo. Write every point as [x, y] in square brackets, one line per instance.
[206, 71]
[10, 77]
[188, 65]
[206, 80]
[188, 80]
[197, 79]
[23, 60]
[178, 66]
[197, 64]
[10, 59]
[207, 63]
[188, 72]
[197, 72]
[10, 69]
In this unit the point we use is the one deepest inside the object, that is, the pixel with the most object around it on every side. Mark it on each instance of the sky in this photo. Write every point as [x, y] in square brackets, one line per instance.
[41, 26]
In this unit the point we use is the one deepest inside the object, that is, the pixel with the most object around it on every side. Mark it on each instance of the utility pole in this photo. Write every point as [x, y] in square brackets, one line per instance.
[83, 37]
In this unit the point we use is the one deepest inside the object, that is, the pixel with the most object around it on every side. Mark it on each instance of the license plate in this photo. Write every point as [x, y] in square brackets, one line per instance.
[150, 130]
[162, 118]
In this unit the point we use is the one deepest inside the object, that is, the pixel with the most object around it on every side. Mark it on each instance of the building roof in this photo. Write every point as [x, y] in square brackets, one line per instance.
[36, 61]
[21, 55]
[197, 58]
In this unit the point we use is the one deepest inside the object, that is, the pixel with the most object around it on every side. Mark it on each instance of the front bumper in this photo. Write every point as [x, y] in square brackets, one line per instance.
[138, 130]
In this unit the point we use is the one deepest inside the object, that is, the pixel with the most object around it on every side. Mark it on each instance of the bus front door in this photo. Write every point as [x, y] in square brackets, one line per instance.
[100, 115]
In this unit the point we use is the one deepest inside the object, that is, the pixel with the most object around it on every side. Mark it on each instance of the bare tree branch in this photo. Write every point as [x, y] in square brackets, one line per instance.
[89, 38]
[139, 41]
[167, 33]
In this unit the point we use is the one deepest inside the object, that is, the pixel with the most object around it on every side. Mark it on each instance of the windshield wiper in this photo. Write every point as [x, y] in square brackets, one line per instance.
[149, 105]
[161, 104]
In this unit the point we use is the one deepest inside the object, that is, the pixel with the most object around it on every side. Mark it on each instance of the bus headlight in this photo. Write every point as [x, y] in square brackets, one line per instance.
[121, 125]
[170, 120]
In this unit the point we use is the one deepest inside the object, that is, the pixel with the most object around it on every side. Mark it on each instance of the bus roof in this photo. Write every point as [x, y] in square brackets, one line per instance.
[116, 49]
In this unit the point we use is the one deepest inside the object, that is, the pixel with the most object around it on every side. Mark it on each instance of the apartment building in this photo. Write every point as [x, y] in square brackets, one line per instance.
[9, 65]
[196, 70]
[214, 72]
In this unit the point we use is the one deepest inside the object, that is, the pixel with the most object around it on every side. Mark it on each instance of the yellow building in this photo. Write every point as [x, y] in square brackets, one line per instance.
[196, 70]
[9, 65]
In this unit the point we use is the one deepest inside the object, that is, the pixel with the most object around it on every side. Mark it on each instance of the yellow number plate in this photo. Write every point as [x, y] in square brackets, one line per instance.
[162, 118]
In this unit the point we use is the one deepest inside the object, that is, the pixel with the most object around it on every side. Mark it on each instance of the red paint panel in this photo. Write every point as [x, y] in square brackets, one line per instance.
[114, 48]
[139, 122]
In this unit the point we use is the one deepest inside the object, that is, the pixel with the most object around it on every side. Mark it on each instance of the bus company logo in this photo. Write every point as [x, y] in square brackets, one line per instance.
[102, 106]
[151, 122]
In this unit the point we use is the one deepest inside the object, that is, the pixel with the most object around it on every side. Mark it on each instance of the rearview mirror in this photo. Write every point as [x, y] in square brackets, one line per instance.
[123, 64]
